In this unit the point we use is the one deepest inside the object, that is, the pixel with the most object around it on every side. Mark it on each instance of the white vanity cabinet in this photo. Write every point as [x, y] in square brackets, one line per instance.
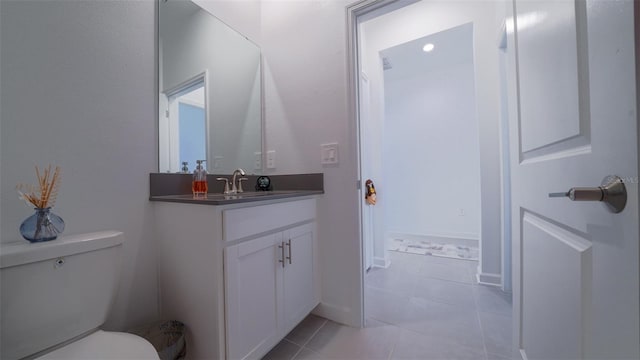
[269, 279]
[239, 276]
[268, 289]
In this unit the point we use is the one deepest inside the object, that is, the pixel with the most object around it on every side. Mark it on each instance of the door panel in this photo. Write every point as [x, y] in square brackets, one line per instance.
[559, 119]
[576, 267]
[299, 292]
[550, 293]
[252, 289]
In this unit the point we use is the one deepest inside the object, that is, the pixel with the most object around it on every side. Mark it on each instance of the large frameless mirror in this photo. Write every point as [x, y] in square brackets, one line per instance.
[210, 92]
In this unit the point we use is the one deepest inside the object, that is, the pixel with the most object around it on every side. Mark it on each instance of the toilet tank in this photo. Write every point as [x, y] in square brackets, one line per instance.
[54, 291]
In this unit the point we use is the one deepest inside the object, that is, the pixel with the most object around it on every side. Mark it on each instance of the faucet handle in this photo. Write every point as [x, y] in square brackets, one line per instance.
[226, 184]
[240, 183]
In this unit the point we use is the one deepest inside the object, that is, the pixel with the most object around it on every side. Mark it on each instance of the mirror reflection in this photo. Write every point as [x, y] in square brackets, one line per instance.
[210, 93]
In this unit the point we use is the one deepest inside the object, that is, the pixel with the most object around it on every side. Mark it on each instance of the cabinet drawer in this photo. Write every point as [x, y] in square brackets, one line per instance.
[244, 222]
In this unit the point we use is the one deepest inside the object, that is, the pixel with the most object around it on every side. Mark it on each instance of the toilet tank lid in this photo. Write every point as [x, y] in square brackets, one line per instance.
[20, 253]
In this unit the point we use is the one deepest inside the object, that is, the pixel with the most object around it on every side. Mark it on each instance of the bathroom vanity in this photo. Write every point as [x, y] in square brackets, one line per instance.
[240, 270]
[239, 274]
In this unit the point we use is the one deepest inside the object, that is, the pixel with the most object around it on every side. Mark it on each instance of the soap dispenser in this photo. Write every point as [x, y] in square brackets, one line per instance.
[199, 183]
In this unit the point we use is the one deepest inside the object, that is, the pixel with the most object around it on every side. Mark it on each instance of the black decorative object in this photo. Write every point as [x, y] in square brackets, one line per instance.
[263, 183]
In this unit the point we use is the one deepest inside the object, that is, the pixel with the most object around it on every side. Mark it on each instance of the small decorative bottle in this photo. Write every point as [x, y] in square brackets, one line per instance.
[199, 183]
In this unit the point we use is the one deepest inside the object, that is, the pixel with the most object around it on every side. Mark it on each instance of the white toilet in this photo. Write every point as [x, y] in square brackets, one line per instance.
[55, 295]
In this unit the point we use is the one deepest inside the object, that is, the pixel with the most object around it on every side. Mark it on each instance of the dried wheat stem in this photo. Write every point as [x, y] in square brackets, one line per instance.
[47, 192]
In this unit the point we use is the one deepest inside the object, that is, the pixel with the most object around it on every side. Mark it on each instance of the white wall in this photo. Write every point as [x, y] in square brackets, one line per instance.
[78, 91]
[431, 148]
[429, 17]
[303, 44]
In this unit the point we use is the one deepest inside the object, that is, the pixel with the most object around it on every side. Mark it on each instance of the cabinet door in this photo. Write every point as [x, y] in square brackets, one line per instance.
[299, 273]
[253, 283]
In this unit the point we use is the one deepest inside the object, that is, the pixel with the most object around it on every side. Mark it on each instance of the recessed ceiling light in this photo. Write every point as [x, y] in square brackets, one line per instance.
[429, 47]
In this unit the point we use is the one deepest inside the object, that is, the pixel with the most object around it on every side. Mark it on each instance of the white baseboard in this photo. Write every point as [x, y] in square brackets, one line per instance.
[338, 314]
[489, 279]
[381, 262]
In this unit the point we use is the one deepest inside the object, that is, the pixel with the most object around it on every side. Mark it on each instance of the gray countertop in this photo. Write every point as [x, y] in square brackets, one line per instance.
[248, 196]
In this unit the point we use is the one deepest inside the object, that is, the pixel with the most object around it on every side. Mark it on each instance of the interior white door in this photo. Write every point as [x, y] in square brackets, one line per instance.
[575, 263]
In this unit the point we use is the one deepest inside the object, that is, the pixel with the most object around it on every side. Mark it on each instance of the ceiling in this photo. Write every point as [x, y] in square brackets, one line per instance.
[452, 46]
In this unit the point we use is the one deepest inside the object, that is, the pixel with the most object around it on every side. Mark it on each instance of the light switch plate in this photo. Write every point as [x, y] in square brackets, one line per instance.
[329, 154]
[271, 159]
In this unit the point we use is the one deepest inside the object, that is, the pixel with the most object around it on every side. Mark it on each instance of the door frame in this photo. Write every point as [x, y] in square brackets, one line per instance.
[368, 239]
[353, 13]
[165, 100]
[505, 162]
[364, 10]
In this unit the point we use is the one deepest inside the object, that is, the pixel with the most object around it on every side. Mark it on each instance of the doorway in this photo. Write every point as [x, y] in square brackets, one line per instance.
[431, 144]
[430, 133]
[183, 126]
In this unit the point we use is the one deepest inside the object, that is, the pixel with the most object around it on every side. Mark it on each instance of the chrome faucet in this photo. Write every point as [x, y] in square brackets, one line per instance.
[234, 188]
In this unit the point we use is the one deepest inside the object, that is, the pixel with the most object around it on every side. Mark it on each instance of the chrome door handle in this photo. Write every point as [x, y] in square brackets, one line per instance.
[281, 247]
[612, 193]
[289, 245]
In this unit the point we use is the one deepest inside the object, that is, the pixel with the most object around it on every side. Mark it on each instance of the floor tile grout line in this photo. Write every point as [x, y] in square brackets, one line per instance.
[467, 279]
[439, 301]
[300, 348]
[383, 321]
[509, 315]
[314, 333]
[470, 283]
[385, 290]
[436, 336]
[484, 341]
[449, 280]
[393, 348]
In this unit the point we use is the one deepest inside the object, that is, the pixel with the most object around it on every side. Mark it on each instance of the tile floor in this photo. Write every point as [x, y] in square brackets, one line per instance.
[421, 307]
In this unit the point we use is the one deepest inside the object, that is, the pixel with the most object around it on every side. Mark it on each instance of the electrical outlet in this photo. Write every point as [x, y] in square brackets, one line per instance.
[217, 162]
[257, 160]
[271, 159]
[460, 212]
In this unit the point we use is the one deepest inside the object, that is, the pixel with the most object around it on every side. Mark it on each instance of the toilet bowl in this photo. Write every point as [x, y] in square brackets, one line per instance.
[55, 296]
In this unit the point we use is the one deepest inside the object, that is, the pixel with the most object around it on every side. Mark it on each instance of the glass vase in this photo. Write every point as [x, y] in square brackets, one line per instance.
[42, 226]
